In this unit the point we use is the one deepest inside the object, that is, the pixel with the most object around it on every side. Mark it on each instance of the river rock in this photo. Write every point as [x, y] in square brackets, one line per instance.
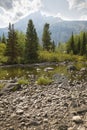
[48, 69]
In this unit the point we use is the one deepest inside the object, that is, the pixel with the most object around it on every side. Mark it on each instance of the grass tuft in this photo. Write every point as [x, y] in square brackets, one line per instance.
[44, 81]
[23, 82]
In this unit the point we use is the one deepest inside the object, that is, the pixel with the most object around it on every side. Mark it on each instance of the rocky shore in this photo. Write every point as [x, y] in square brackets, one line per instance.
[61, 105]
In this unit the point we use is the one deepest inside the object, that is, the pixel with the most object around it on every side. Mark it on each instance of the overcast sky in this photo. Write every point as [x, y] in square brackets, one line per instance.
[13, 10]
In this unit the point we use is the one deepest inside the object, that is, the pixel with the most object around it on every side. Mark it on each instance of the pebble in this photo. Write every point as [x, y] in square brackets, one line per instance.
[45, 107]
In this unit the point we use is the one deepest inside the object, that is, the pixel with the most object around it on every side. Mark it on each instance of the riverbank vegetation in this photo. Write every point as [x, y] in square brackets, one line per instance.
[18, 47]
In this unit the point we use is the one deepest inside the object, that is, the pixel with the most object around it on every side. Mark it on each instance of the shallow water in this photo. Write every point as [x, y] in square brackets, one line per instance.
[12, 72]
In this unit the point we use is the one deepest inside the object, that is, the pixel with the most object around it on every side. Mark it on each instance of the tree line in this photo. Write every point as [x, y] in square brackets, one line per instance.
[77, 44]
[24, 48]
[18, 47]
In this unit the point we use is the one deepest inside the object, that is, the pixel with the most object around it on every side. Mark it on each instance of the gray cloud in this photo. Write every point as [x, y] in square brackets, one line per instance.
[80, 6]
[76, 4]
[6, 4]
[13, 10]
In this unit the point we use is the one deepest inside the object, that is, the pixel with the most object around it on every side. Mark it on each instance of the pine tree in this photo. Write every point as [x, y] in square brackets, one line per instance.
[70, 45]
[83, 44]
[78, 46]
[31, 47]
[53, 46]
[46, 37]
[0, 39]
[12, 49]
[3, 39]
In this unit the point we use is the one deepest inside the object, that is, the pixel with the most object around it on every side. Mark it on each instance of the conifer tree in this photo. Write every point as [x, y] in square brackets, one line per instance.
[83, 44]
[12, 49]
[70, 45]
[46, 37]
[53, 46]
[78, 46]
[3, 39]
[31, 47]
[0, 40]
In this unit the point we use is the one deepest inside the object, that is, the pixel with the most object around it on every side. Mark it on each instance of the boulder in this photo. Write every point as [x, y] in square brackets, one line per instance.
[71, 68]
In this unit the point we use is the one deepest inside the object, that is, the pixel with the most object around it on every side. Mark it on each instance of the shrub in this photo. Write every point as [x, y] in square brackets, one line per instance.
[1, 85]
[16, 87]
[23, 82]
[44, 81]
[45, 56]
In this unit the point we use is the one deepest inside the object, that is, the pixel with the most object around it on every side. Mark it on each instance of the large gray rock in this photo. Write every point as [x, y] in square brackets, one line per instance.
[71, 68]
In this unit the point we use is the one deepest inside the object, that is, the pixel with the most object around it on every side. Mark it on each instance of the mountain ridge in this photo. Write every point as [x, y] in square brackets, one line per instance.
[61, 30]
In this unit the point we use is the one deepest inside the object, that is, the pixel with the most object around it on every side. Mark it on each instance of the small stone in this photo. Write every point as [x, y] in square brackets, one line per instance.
[19, 111]
[34, 123]
[81, 128]
[49, 100]
[63, 127]
[71, 128]
[11, 128]
[45, 120]
[48, 69]
[77, 119]
[13, 115]
[2, 112]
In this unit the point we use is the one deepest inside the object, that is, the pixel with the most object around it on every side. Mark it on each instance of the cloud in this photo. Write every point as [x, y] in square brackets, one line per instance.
[83, 17]
[7, 4]
[78, 4]
[13, 10]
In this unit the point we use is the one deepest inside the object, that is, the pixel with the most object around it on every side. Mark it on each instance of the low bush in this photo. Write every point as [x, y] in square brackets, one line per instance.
[45, 56]
[23, 82]
[1, 85]
[44, 81]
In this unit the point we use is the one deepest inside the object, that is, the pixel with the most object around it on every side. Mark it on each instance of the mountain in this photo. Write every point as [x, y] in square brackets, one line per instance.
[61, 30]
[38, 19]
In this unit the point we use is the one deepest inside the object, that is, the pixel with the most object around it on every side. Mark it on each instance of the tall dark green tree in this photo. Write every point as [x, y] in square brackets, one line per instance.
[71, 45]
[31, 47]
[83, 44]
[12, 49]
[53, 46]
[46, 38]
[0, 39]
[78, 46]
[3, 39]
